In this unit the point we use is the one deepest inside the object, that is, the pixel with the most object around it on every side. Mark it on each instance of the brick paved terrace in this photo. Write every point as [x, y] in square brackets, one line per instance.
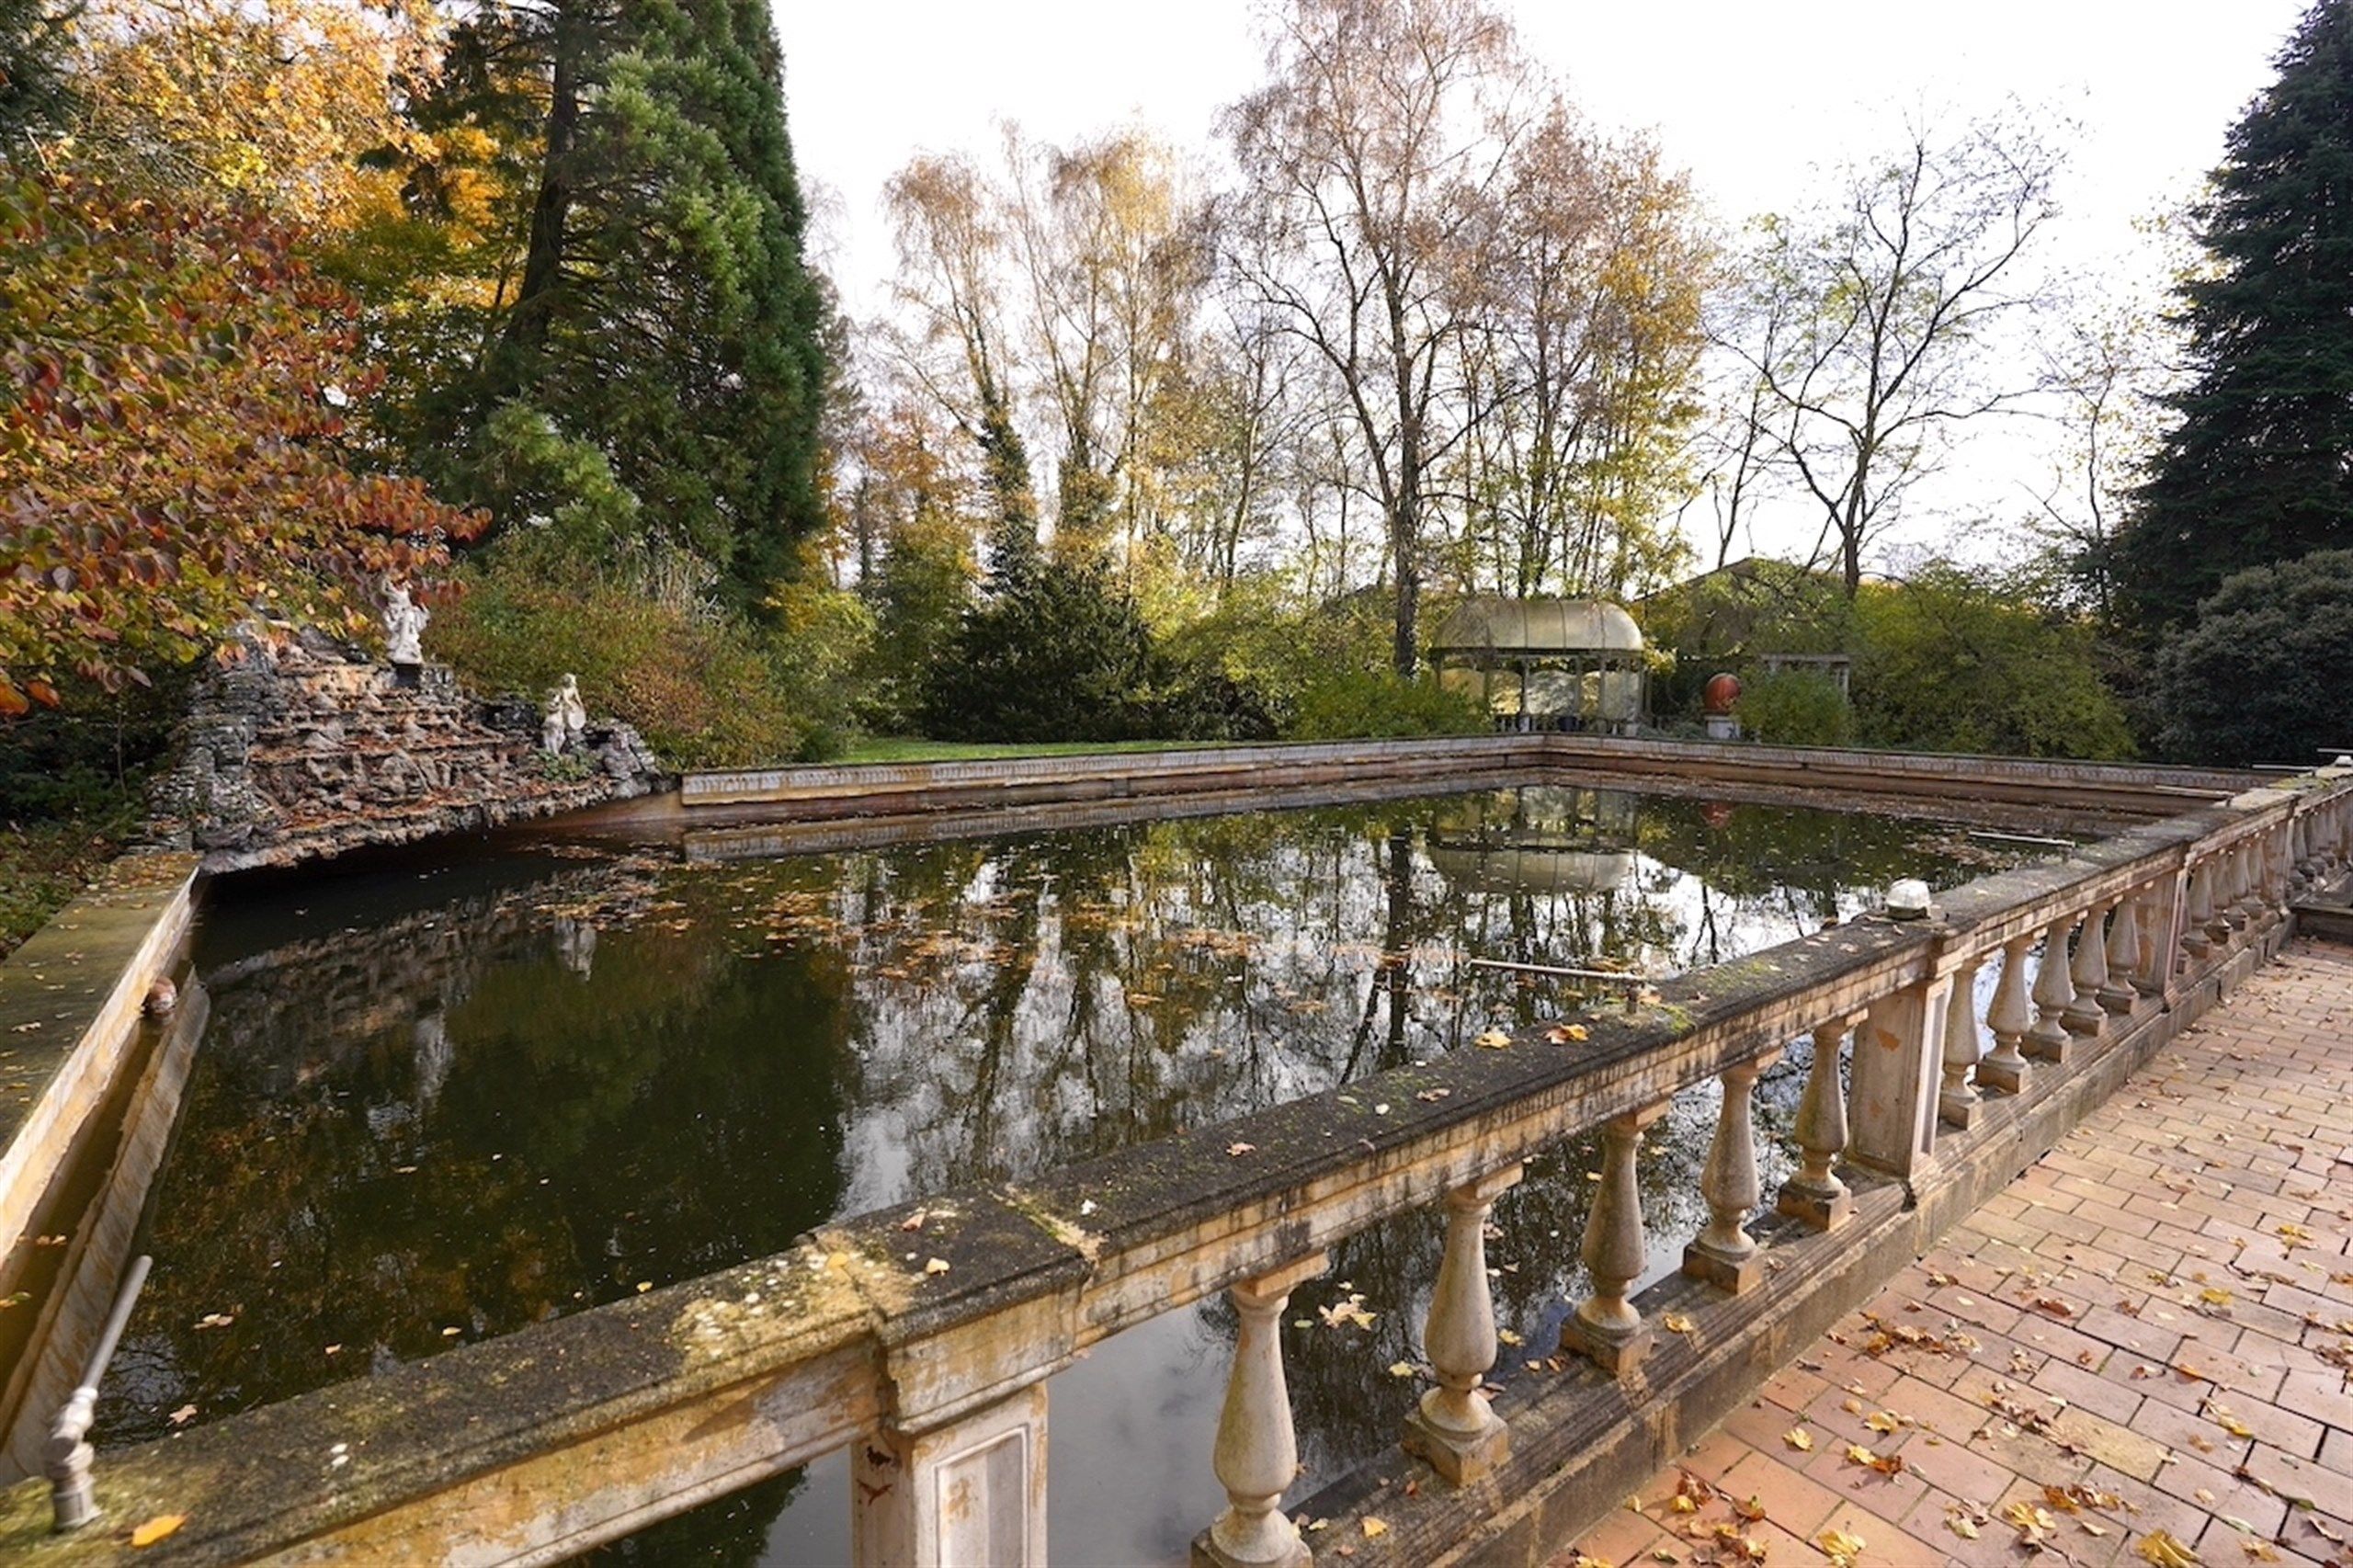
[2141, 1352]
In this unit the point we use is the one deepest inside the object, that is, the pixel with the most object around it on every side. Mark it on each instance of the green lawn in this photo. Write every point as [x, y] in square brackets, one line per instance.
[905, 748]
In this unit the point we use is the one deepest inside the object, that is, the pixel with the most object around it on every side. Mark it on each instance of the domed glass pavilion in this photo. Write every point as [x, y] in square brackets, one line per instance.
[1546, 663]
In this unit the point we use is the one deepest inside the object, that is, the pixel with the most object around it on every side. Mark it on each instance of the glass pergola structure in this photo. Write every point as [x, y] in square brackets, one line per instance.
[1546, 663]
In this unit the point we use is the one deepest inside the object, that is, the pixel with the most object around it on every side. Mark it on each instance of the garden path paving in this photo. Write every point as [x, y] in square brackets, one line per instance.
[2145, 1343]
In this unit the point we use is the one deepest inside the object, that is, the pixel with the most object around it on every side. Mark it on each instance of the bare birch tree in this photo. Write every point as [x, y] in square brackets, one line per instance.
[1884, 302]
[1371, 162]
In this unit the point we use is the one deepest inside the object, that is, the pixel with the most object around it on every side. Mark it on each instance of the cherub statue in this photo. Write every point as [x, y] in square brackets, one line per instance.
[567, 716]
[404, 626]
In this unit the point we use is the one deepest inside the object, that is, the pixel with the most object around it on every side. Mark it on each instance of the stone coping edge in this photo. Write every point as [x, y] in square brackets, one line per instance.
[816, 785]
[70, 1002]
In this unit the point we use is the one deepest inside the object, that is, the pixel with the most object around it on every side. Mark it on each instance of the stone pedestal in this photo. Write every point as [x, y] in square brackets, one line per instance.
[1460, 1456]
[972, 1491]
[1615, 1351]
[1821, 1211]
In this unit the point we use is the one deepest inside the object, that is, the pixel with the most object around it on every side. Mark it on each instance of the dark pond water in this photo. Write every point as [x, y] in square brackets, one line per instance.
[436, 1103]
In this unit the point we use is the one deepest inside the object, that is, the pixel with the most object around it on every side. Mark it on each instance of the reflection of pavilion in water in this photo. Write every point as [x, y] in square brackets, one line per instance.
[1536, 838]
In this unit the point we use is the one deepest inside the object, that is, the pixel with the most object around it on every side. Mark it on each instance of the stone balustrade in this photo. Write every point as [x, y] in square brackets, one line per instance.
[922, 1338]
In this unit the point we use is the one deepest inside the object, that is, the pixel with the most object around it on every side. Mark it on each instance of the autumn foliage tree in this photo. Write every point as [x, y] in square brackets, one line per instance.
[175, 384]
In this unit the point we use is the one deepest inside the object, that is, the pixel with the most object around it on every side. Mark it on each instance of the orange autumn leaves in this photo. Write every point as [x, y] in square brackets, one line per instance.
[174, 387]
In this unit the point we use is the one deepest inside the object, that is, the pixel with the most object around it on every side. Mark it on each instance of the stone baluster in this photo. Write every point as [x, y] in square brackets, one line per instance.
[1725, 1254]
[2159, 950]
[1454, 1427]
[1606, 1326]
[2277, 874]
[1256, 1457]
[2054, 992]
[2232, 905]
[2004, 1070]
[2115, 990]
[1956, 1097]
[1814, 1195]
[2088, 972]
[2196, 941]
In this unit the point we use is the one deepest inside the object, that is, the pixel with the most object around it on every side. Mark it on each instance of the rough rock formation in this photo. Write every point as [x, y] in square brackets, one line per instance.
[297, 749]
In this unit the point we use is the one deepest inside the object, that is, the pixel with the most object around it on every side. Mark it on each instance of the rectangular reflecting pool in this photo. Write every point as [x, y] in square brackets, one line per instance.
[438, 1100]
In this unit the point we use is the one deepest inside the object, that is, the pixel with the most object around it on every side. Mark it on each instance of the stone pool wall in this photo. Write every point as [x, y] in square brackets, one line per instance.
[297, 749]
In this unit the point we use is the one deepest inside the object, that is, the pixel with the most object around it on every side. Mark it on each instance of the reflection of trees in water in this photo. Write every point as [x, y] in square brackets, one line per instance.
[731, 1532]
[481, 1140]
[1023, 1005]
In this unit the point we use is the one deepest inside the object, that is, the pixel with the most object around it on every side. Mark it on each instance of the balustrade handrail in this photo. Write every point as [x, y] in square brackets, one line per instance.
[922, 1316]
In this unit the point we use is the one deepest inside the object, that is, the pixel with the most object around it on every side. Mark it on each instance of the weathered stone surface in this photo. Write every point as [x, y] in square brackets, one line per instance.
[298, 750]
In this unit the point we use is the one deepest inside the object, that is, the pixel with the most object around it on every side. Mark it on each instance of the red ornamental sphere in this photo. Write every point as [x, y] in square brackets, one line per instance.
[1721, 692]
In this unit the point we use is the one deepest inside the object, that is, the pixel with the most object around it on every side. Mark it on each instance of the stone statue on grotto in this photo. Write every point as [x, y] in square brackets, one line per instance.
[566, 717]
[404, 622]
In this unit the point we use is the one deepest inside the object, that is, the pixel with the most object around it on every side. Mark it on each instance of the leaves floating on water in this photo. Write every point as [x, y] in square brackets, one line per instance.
[1347, 1314]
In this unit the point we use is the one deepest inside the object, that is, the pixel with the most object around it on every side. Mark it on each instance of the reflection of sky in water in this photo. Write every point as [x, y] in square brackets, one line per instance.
[433, 1107]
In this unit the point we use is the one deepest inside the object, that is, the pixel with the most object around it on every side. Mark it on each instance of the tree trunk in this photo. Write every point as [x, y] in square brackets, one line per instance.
[527, 324]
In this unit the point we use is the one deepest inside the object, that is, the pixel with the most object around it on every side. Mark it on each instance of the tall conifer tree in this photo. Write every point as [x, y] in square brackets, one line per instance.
[664, 316]
[2259, 468]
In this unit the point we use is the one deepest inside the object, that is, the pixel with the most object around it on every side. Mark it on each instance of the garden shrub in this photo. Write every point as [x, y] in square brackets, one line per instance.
[1057, 653]
[1796, 708]
[695, 683]
[1351, 704]
[2259, 676]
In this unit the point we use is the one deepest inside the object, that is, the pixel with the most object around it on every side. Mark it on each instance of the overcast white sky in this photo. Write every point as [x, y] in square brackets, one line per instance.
[1746, 96]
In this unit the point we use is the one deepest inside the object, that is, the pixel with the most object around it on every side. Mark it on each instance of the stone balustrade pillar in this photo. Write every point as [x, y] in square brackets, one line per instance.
[1814, 1195]
[2272, 887]
[1256, 1455]
[1956, 1100]
[2116, 991]
[2003, 1069]
[1606, 1326]
[1454, 1429]
[2232, 906]
[2085, 1015]
[2162, 922]
[971, 1490]
[2054, 993]
[1725, 1254]
[1893, 1076]
[2196, 941]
